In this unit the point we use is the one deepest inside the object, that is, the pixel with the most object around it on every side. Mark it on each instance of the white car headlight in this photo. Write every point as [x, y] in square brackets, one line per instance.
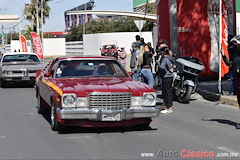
[136, 101]
[82, 102]
[69, 100]
[149, 99]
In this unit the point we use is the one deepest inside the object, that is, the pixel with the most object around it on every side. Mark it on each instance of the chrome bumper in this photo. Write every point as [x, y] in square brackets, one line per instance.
[96, 114]
[18, 78]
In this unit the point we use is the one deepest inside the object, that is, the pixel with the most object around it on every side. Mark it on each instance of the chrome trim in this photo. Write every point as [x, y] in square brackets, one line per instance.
[114, 100]
[95, 114]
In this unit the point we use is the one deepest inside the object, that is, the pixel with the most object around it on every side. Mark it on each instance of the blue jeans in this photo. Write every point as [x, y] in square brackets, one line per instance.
[148, 76]
[136, 74]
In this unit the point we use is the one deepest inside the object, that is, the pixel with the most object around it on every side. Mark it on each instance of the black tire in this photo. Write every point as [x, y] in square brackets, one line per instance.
[55, 125]
[41, 105]
[2, 83]
[185, 97]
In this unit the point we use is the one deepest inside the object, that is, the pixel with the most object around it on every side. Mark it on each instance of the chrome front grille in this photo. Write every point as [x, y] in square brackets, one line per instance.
[110, 100]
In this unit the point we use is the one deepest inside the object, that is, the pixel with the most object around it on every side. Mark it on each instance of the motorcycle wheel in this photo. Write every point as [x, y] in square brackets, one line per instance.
[185, 97]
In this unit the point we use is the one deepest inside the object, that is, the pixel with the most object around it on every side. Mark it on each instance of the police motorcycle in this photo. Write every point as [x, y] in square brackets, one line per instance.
[186, 77]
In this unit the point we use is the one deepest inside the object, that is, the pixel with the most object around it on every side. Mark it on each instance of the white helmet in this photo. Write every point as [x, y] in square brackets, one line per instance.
[236, 39]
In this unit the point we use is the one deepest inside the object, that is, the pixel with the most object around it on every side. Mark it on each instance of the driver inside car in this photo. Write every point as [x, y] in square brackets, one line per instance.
[70, 68]
[102, 70]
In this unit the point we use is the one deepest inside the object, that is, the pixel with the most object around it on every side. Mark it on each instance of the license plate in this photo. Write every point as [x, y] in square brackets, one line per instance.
[111, 116]
[25, 78]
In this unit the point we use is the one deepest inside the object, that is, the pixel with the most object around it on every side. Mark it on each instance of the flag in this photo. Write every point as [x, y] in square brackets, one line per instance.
[23, 42]
[37, 44]
[224, 38]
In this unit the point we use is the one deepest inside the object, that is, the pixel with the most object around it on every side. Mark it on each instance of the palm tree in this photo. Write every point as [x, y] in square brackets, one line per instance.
[28, 31]
[29, 12]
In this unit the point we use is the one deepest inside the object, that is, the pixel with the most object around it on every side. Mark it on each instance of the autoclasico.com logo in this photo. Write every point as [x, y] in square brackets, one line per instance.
[189, 154]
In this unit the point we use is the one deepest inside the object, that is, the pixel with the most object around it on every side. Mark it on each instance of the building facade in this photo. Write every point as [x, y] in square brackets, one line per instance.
[75, 20]
[139, 5]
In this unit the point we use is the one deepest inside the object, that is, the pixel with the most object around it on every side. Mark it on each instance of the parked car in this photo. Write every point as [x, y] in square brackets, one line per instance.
[104, 49]
[93, 92]
[19, 67]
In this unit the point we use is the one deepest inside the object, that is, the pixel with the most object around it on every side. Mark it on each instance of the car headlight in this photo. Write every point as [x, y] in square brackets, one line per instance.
[136, 101]
[69, 100]
[82, 102]
[149, 99]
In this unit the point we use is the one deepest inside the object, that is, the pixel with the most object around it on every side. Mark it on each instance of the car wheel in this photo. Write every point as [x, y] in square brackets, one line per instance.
[40, 105]
[2, 83]
[55, 125]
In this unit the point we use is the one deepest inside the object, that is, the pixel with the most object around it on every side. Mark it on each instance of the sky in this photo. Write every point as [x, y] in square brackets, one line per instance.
[55, 22]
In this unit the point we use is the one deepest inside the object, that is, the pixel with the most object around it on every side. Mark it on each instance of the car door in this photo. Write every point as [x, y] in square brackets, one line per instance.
[47, 81]
[42, 82]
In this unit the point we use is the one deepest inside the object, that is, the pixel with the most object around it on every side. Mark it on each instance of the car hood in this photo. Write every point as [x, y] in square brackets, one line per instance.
[86, 85]
[32, 66]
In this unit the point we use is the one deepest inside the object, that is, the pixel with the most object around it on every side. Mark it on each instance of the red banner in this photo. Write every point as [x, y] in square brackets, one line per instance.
[224, 67]
[37, 44]
[23, 42]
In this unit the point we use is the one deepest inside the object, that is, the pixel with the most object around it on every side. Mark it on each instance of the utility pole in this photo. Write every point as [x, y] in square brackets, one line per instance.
[3, 40]
[42, 21]
[37, 17]
[84, 19]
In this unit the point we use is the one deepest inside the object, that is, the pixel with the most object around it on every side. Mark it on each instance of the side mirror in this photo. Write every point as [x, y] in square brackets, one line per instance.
[48, 74]
[130, 73]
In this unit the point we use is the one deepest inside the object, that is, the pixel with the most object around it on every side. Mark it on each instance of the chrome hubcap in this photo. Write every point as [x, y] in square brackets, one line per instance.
[52, 115]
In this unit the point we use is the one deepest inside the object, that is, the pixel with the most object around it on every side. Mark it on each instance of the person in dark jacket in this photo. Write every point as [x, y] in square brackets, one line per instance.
[166, 73]
[234, 63]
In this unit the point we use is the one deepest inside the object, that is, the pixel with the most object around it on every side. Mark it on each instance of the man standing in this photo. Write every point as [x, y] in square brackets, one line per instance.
[133, 61]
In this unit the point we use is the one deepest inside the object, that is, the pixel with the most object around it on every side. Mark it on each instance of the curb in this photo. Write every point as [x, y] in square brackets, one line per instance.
[229, 100]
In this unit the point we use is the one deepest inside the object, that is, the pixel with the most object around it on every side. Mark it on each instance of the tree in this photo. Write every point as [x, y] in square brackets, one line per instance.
[29, 12]
[121, 24]
[28, 31]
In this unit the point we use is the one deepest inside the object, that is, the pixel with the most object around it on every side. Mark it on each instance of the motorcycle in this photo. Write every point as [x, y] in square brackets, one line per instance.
[186, 77]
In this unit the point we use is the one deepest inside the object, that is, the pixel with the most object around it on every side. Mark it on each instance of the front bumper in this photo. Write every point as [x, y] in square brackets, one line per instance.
[97, 114]
[18, 78]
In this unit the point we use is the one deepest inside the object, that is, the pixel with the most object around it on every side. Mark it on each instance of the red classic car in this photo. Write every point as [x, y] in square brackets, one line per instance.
[93, 92]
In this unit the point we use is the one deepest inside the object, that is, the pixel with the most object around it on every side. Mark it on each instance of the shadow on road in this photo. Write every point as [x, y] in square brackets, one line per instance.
[224, 121]
[74, 130]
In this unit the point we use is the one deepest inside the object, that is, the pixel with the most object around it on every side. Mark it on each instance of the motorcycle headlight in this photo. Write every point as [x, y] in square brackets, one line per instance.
[69, 100]
[136, 101]
[82, 102]
[149, 99]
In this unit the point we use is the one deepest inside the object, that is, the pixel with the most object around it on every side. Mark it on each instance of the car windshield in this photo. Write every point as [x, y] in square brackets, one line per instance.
[21, 58]
[90, 68]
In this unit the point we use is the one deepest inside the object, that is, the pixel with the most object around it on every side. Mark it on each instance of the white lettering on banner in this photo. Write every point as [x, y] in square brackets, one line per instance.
[213, 7]
[38, 46]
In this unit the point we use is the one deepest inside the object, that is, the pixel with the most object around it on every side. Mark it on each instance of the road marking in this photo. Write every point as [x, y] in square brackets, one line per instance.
[146, 134]
[78, 137]
[28, 114]
[227, 150]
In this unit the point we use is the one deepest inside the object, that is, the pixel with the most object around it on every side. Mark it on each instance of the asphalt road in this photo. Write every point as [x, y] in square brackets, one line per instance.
[196, 129]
